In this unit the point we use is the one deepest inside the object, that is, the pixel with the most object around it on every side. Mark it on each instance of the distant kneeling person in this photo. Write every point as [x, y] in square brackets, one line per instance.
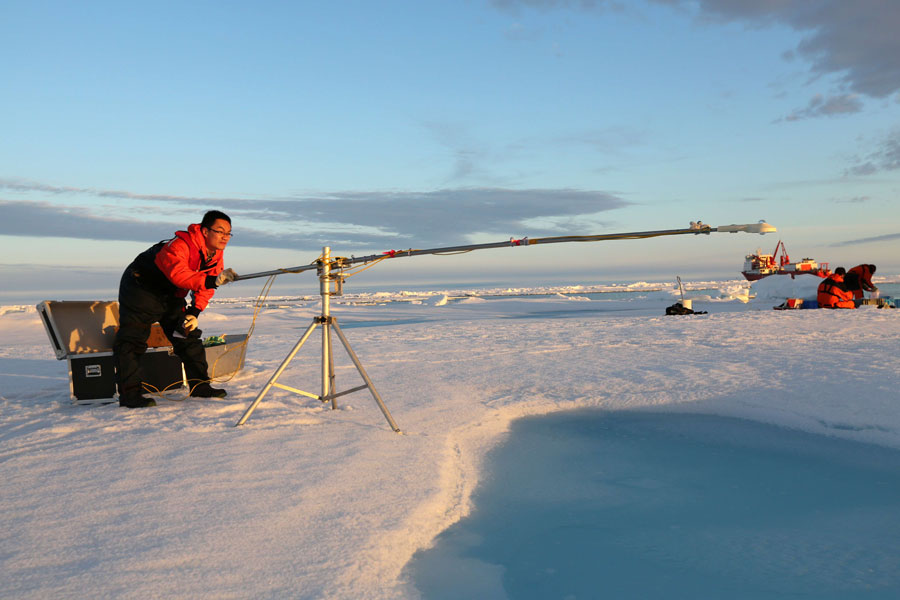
[833, 294]
[153, 289]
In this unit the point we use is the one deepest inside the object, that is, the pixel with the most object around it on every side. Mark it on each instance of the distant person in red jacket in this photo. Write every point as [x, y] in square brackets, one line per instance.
[833, 294]
[859, 279]
[153, 289]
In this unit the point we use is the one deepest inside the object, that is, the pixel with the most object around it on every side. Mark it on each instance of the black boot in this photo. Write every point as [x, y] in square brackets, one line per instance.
[204, 390]
[135, 400]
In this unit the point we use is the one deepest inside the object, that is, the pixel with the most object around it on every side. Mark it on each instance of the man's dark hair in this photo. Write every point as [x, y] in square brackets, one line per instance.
[838, 271]
[212, 216]
[872, 268]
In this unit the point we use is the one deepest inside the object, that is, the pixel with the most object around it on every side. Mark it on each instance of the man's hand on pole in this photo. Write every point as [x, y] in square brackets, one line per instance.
[226, 276]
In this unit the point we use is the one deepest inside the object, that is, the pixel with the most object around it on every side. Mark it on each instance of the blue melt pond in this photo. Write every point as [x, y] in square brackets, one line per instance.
[590, 504]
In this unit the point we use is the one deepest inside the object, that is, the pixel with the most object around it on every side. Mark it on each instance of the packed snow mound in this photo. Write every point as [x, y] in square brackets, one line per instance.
[778, 288]
[16, 308]
[734, 291]
[562, 296]
[438, 300]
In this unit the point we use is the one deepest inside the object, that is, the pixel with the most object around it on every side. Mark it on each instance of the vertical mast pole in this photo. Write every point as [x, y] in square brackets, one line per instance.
[325, 291]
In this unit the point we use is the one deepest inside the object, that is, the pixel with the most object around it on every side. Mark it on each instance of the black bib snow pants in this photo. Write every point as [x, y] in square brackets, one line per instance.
[140, 305]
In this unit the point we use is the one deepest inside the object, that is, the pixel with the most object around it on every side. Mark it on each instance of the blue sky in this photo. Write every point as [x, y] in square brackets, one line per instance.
[371, 126]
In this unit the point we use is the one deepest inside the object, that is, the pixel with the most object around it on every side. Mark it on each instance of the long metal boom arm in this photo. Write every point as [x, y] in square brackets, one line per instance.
[700, 228]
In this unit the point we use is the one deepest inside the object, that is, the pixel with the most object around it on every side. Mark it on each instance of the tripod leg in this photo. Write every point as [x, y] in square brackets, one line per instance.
[277, 373]
[331, 381]
[365, 376]
[326, 376]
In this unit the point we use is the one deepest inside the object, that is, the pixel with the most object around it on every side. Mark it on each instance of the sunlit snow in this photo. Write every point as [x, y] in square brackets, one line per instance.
[306, 502]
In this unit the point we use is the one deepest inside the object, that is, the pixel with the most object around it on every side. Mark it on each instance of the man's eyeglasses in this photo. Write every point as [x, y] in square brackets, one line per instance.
[227, 234]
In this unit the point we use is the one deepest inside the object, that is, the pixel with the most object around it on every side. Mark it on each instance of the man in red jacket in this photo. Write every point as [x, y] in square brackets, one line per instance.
[859, 279]
[153, 289]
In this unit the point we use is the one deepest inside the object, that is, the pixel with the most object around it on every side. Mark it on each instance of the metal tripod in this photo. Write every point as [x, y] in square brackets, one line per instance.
[329, 324]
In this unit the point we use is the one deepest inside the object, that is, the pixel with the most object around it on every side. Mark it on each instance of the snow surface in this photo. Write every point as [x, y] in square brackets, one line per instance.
[306, 502]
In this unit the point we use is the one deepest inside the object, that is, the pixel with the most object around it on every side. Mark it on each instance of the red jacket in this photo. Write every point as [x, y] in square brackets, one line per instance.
[183, 260]
[833, 294]
[865, 276]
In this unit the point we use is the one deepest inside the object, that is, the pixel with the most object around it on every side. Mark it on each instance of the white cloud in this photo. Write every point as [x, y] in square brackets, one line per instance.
[879, 238]
[855, 41]
[441, 217]
[885, 157]
[831, 106]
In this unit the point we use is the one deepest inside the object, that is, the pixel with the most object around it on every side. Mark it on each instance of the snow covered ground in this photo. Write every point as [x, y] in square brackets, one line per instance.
[307, 502]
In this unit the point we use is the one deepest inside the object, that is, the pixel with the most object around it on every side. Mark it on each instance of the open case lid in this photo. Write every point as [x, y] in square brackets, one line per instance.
[80, 326]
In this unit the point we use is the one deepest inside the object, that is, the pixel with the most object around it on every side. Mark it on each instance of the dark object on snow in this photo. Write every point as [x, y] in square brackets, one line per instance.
[796, 303]
[679, 309]
[204, 390]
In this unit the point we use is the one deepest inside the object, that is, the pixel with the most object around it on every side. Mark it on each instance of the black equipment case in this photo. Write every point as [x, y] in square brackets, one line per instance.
[82, 333]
